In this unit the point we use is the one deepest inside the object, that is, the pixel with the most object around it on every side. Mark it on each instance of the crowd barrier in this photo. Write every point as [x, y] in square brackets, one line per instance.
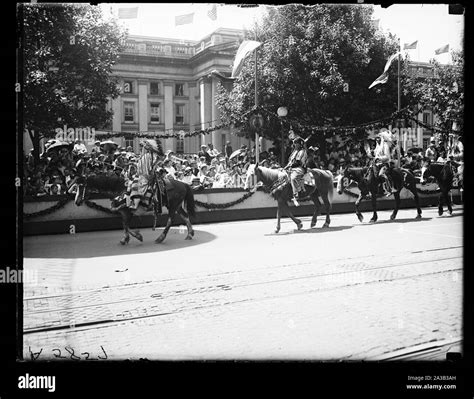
[58, 214]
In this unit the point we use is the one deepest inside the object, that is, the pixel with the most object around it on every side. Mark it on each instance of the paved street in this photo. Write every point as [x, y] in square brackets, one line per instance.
[238, 291]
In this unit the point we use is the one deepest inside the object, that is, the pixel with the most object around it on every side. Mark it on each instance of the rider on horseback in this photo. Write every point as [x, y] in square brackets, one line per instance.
[145, 169]
[297, 164]
[382, 166]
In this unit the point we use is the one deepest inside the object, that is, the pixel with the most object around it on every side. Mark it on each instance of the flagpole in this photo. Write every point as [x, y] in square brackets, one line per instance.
[399, 102]
[256, 104]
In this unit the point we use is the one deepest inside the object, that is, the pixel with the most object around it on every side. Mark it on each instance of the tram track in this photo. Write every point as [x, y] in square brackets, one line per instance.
[156, 299]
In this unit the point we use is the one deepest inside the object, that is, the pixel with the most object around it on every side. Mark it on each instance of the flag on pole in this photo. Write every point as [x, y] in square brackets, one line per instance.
[442, 50]
[128, 13]
[212, 13]
[384, 77]
[244, 50]
[411, 46]
[184, 19]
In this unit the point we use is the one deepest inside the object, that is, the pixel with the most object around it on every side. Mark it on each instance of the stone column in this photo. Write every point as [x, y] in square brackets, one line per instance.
[206, 106]
[216, 134]
[117, 116]
[168, 144]
[142, 105]
[190, 145]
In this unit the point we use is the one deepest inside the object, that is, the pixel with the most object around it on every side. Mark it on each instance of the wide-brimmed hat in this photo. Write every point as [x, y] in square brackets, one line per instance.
[386, 135]
[297, 140]
[150, 144]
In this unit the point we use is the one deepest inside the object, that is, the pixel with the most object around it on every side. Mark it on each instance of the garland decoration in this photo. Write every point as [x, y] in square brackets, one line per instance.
[60, 204]
[94, 205]
[226, 205]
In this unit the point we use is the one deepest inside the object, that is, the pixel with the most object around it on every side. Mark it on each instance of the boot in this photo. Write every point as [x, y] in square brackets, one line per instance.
[136, 202]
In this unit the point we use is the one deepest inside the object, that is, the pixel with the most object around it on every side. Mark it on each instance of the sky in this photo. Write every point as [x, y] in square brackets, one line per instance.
[430, 24]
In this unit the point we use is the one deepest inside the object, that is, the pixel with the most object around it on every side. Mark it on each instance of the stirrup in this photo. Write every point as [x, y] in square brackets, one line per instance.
[295, 201]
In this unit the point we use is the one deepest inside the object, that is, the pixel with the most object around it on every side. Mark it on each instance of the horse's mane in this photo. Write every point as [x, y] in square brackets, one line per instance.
[271, 174]
[106, 183]
[358, 171]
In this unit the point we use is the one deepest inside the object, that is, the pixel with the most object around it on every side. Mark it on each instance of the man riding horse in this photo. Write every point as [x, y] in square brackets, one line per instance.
[140, 187]
[297, 165]
[382, 165]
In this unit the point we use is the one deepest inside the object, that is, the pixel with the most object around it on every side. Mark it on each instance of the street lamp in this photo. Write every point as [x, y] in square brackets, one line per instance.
[282, 112]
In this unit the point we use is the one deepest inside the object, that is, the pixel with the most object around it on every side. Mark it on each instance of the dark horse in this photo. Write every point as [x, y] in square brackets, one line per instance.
[178, 194]
[369, 183]
[444, 176]
[280, 188]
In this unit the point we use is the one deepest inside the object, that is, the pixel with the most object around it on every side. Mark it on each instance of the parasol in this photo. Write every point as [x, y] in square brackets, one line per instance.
[236, 153]
[56, 145]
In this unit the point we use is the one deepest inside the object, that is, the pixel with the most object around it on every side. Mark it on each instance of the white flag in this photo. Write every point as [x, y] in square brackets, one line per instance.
[384, 77]
[244, 50]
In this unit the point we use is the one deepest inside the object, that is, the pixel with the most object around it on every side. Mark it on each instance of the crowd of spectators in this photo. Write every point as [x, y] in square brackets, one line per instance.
[57, 166]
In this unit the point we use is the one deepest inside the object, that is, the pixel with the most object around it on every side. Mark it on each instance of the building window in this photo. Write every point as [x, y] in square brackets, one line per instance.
[427, 118]
[179, 145]
[155, 113]
[154, 88]
[129, 143]
[179, 114]
[128, 86]
[129, 108]
[179, 90]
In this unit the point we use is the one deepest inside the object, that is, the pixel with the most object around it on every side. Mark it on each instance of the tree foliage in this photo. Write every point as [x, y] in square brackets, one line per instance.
[308, 54]
[443, 93]
[68, 51]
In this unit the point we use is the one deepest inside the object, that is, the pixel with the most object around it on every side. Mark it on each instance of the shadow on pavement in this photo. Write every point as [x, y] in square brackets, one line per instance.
[395, 221]
[311, 230]
[106, 243]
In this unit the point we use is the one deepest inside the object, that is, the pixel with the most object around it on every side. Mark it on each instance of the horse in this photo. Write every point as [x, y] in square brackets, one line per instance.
[368, 184]
[278, 182]
[178, 193]
[444, 175]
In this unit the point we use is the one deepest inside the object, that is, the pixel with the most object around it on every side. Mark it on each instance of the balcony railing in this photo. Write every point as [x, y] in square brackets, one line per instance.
[155, 49]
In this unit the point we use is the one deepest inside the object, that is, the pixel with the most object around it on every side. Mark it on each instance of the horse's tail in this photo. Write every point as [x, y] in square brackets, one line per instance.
[189, 199]
[331, 186]
[328, 176]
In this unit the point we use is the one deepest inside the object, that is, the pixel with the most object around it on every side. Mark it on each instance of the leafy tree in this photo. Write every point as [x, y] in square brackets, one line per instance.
[68, 51]
[308, 54]
[443, 92]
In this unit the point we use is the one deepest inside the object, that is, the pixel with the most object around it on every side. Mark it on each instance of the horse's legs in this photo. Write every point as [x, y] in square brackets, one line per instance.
[374, 206]
[440, 203]
[277, 228]
[358, 213]
[134, 233]
[412, 188]
[290, 214]
[328, 210]
[317, 207]
[185, 217]
[397, 205]
[162, 236]
[125, 221]
[448, 202]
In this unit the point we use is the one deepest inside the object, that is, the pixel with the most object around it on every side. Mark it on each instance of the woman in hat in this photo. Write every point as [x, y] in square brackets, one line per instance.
[145, 168]
[297, 164]
[205, 154]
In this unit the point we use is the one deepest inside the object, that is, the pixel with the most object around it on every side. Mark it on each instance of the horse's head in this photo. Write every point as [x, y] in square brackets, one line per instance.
[251, 177]
[425, 167]
[81, 188]
[342, 179]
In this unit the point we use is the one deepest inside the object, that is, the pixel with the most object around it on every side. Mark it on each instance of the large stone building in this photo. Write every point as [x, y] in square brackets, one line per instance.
[167, 87]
